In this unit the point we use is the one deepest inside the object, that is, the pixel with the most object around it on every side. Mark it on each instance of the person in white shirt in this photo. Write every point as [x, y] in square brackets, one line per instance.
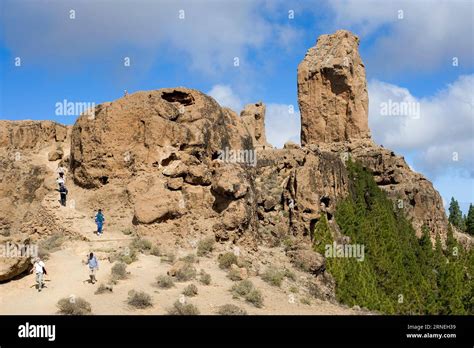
[40, 270]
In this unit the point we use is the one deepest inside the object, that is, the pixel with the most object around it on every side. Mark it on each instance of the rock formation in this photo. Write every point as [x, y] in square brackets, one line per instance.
[332, 91]
[253, 116]
[152, 160]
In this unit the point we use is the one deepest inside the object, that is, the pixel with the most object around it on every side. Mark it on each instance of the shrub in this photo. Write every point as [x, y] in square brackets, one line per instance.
[204, 278]
[294, 289]
[230, 309]
[205, 246]
[155, 251]
[103, 289]
[273, 276]
[165, 281]
[168, 257]
[191, 290]
[185, 273]
[127, 231]
[305, 301]
[183, 309]
[226, 260]
[74, 306]
[139, 299]
[255, 297]
[290, 274]
[141, 244]
[242, 288]
[234, 274]
[119, 271]
[190, 258]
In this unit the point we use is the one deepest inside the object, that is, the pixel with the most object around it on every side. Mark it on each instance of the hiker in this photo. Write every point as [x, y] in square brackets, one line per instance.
[99, 220]
[62, 194]
[61, 180]
[93, 267]
[40, 271]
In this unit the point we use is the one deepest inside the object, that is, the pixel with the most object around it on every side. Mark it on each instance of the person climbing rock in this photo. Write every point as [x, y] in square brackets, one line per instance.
[99, 220]
[39, 270]
[61, 180]
[93, 267]
[62, 194]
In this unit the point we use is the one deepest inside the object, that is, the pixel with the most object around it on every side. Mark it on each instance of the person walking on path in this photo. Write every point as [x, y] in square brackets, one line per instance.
[63, 194]
[99, 220]
[93, 267]
[40, 271]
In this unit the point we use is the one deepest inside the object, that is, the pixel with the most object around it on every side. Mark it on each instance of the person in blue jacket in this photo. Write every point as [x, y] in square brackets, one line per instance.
[99, 220]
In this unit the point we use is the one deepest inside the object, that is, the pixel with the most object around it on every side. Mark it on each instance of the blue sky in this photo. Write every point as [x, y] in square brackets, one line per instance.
[408, 48]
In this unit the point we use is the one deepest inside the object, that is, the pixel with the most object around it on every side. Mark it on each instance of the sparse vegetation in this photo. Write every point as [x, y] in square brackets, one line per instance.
[255, 297]
[191, 290]
[168, 257]
[234, 274]
[119, 271]
[242, 288]
[185, 273]
[246, 289]
[305, 301]
[204, 278]
[127, 256]
[190, 258]
[165, 281]
[183, 309]
[127, 231]
[139, 299]
[50, 245]
[102, 289]
[226, 260]
[74, 306]
[294, 290]
[205, 246]
[231, 309]
[142, 245]
[155, 251]
[273, 276]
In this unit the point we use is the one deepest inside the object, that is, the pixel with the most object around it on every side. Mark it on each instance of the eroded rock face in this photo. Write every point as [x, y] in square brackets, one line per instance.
[332, 91]
[410, 191]
[253, 116]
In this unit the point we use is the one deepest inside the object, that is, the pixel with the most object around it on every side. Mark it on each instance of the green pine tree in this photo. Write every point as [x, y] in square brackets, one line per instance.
[455, 214]
[470, 220]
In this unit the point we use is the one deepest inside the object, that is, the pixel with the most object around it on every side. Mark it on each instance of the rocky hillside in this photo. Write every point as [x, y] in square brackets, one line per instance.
[175, 167]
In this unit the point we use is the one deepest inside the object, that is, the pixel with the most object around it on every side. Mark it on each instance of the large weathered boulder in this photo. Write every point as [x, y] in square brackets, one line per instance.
[13, 266]
[142, 130]
[332, 91]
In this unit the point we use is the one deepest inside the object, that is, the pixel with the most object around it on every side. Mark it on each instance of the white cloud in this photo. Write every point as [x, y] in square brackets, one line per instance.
[428, 36]
[211, 34]
[442, 130]
[282, 123]
[225, 96]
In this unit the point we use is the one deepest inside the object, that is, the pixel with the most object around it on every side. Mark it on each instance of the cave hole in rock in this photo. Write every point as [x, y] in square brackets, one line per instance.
[104, 180]
[312, 226]
[166, 161]
[325, 200]
[177, 96]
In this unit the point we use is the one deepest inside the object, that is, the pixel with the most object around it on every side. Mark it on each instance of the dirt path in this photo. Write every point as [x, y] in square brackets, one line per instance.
[67, 277]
